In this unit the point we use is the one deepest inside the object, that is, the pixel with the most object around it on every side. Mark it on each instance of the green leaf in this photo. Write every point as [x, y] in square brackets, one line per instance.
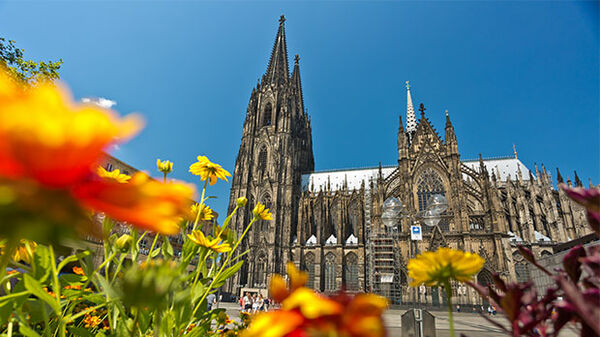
[6, 309]
[72, 258]
[166, 248]
[107, 226]
[27, 331]
[35, 287]
[155, 253]
[41, 263]
[79, 331]
[227, 273]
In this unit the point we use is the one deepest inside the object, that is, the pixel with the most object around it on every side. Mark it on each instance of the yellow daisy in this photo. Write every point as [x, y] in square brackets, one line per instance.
[261, 212]
[114, 175]
[438, 268]
[198, 238]
[207, 170]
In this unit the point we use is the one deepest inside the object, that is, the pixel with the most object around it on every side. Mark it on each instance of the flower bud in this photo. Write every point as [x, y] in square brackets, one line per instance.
[164, 166]
[124, 242]
[241, 201]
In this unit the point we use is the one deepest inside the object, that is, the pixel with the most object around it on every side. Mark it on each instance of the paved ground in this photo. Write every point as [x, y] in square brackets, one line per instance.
[470, 324]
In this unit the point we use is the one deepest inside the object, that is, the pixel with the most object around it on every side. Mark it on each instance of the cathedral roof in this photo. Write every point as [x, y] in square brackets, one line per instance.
[353, 178]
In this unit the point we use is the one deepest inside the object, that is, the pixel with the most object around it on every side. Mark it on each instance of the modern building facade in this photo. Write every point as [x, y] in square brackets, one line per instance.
[329, 223]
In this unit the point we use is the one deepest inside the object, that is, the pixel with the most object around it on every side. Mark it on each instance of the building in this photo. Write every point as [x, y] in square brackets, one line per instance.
[329, 223]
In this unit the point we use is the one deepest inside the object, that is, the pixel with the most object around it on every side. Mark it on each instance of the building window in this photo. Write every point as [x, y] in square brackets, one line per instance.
[259, 271]
[330, 273]
[351, 272]
[267, 115]
[333, 220]
[262, 159]
[428, 184]
[484, 278]
[521, 268]
[309, 266]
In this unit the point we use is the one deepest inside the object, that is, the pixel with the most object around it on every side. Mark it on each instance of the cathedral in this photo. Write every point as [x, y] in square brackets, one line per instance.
[329, 222]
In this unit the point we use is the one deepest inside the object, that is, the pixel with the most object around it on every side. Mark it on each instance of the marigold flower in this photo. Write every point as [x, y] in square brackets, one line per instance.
[164, 166]
[207, 170]
[78, 271]
[143, 202]
[262, 213]
[438, 268]
[46, 137]
[200, 239]
[115, 175]
[273, 324]
[91, 321]
[205, 212]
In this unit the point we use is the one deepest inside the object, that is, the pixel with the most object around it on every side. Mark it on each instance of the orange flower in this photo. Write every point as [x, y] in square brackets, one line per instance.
[78, 271]
[46, 137]
[91, 321]
[278, 287]
[143, 202]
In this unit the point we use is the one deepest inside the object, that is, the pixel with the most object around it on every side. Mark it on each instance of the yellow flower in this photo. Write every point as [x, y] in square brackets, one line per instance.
[241, 201]
[23, 252]
[143, 202]
[207, 170]
[198, 238]
[164, 166]
[205, 212]
[47, 137]
[114, 175]
[273, 324]
[438, 268]
[310, 304]
[91, 321]
[261, 213]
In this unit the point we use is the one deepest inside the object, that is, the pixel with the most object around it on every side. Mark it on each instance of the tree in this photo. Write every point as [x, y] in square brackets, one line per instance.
[28, 71]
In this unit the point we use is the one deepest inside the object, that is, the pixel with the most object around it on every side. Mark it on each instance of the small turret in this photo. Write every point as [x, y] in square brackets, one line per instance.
[578, 182]
[559, 178]
[450, 136]
[402, 141]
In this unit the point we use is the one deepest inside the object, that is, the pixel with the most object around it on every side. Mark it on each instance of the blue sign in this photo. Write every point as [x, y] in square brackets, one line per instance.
[415, 233]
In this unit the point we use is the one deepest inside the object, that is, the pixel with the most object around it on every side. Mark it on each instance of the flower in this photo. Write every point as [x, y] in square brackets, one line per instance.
[164, 166]
[78, 271]
[208, 171]
[437, 268]
[205, 212]
[143, 202]
[91, 321]
[23, 252]
[124, 242]
[262, 213]
[200, 239]
[115, 175]
[241, 201]
[46, 137]
[306, 313]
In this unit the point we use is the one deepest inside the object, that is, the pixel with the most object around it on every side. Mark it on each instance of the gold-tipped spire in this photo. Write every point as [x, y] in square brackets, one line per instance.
[515, 151]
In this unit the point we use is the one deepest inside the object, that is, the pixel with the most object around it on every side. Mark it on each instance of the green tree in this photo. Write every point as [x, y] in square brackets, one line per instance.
[28, 71]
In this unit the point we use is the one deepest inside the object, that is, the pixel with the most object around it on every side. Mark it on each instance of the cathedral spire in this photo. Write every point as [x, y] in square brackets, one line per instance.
[450, 137]
[278, 69]
[411, 119]
[578, 182]
[296, 80]
[559, 177]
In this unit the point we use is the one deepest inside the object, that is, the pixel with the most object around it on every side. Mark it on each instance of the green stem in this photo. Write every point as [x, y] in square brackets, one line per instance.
[123, 256]
[223, 267]
[112, 255]
[448, 290]
[10, 327]
[200, 206]
[152, 247]
[7, 253]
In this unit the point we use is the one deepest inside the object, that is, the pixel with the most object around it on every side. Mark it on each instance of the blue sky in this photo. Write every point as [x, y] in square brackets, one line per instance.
[508, 72]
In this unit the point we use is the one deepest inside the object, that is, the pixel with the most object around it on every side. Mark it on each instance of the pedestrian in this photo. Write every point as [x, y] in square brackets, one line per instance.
[211, 300]
[247, 301]
[254, 304]
[267, 302]
[457, 308]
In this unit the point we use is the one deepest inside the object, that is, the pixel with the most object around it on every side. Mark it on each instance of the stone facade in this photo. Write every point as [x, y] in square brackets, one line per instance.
[329, 223]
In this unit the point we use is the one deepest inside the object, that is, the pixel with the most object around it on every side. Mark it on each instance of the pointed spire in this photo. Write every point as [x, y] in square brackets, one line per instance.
[578, 182]
[278, 69]
[411, 119]
[450, 137]
[422, 109]
[296, 79]
[515, 151]
[559, 177]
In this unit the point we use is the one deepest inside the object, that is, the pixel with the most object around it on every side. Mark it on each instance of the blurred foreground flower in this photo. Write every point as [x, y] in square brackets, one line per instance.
[208, 171]
[261, 212]
[200, 239]
[306, 313]
[437, 268]
[142, 202]
[23, 252]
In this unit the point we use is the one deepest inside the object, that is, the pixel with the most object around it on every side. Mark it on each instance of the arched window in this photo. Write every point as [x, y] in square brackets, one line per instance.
[262, 159]
[484, 278]
[521, 267]
[330, 273]
[428, 184]
[334, 221]
[353, 220]
[267, 115]
[351, 272]
[309, 266]
[259, 271]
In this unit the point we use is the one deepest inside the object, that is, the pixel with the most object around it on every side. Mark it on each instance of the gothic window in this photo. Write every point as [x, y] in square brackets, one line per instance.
[484, 278]
[521, 268]
[428, 184]
[309, 266]
[353, 220]
[259, 271]
[262, 159]
[334, 220]
[267, 115]
[330, 273]
[351, 272]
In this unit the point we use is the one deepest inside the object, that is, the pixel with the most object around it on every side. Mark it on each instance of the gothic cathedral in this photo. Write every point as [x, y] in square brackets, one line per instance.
[329, 222]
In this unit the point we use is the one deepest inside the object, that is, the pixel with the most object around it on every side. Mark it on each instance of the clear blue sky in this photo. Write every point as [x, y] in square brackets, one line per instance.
[508, 72]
